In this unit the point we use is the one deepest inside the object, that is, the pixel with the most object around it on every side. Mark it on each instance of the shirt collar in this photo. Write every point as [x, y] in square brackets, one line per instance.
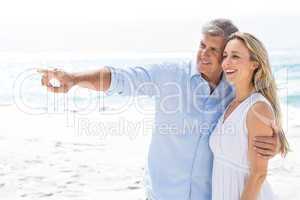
[222, 88]
[194, 71]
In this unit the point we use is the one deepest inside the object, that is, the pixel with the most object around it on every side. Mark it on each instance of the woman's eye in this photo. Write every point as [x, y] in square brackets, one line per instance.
[224, 56]
[235, 56]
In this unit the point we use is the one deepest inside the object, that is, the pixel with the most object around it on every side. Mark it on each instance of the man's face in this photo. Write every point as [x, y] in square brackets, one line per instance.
[209, 56]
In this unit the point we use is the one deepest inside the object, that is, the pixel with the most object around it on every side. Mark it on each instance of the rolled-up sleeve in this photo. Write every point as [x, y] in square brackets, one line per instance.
[134, 81]
[113, 83]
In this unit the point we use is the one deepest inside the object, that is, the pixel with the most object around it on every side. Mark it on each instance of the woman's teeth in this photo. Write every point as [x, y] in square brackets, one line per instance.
[230, 71]
[205, 62]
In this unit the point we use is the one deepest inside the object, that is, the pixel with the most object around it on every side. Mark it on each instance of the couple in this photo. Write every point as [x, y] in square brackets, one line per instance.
[217, 122]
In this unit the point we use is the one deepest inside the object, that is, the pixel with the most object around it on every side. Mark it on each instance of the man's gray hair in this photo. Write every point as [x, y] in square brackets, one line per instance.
[219, 27]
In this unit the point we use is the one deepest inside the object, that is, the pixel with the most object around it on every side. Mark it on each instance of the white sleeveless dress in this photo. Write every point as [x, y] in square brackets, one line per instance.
[229, 144]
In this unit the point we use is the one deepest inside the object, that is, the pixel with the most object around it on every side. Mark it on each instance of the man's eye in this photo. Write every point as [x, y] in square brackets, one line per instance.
[216, 51]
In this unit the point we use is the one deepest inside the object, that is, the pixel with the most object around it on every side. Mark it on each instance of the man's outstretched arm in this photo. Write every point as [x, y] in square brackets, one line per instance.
[130, 81]
[98, 80]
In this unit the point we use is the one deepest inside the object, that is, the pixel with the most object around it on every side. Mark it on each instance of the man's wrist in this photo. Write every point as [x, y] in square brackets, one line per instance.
[75, 78]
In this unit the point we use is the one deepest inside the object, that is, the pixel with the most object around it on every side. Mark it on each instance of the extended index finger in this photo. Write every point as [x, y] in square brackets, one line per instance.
[46, 71]
[42, 70]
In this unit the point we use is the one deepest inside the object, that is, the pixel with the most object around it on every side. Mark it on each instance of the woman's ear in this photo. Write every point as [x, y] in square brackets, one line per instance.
[255, 65]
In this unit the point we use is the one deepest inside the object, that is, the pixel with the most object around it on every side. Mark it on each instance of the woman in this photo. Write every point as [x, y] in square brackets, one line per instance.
[239, 173]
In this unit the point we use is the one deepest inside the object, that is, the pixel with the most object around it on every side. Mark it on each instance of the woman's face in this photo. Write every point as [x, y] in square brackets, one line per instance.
[236, 63]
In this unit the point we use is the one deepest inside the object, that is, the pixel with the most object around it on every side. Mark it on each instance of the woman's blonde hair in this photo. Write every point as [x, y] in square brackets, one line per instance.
[264, 81]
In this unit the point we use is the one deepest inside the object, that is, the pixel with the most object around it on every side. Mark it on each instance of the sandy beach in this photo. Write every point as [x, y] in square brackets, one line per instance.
[47, 157]
[43, 157]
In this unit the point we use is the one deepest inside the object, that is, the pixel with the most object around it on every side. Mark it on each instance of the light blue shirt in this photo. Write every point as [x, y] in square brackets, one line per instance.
[179, 163]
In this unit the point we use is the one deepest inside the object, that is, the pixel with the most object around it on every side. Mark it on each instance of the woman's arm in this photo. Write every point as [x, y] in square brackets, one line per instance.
[259, 123]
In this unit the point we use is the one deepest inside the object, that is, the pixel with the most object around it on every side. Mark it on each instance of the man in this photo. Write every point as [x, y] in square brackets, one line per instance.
[189, 100]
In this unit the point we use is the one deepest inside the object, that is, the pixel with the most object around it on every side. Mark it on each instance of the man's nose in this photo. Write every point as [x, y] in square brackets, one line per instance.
[204, 52]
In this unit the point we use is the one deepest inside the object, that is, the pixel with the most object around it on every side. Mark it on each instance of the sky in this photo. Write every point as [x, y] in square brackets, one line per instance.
[138, 25]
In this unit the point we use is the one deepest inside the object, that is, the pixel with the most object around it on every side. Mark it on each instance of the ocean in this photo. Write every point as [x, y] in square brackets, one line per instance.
[14, 66]
[20, 84]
